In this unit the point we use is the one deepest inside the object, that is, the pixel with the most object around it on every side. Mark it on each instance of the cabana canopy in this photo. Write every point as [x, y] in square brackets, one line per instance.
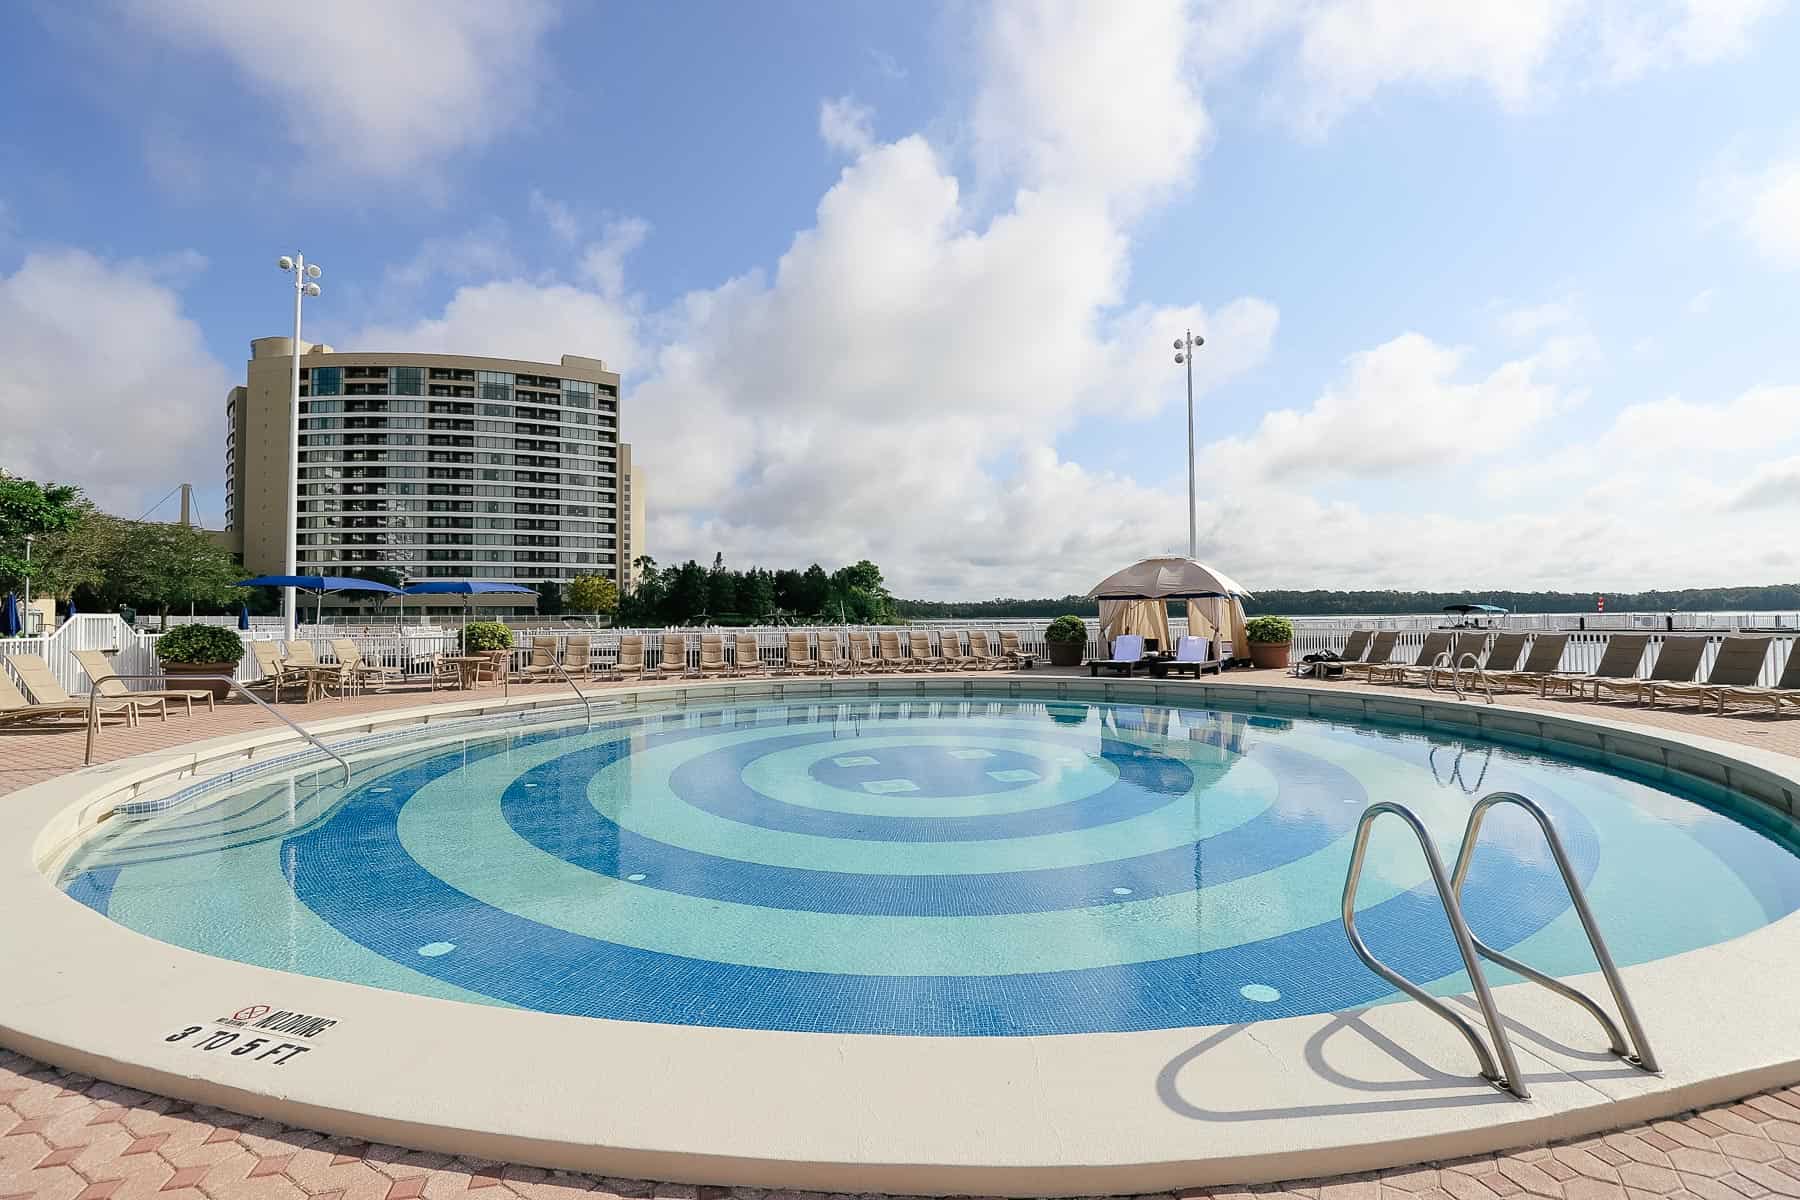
[1132, 600]
[1171, 577]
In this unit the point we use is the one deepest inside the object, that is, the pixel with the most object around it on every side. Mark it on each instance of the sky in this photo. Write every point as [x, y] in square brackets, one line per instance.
[1494, 295]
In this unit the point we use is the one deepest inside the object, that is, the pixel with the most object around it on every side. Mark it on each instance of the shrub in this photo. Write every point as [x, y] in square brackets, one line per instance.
[200, 644]
[1066, 629]
[1269, 629]
[481, 636]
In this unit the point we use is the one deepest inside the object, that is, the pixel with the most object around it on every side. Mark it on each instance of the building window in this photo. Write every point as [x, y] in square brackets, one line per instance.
[406, 381]
[493, 385]
[327, 381]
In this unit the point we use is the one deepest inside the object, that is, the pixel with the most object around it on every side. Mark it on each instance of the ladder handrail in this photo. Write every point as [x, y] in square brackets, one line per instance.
[1639, 1054]
[1506, 1073]
[585, 702]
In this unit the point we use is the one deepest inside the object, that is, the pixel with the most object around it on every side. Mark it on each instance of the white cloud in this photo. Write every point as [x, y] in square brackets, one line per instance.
[1535, 319]
[1765, 206]
[603, 262]
[1772, 485]
[1760, 418]
[556, 215]
[479, 253]
[108, 384]
[846, 126]
[1329, 56]
[351, 95]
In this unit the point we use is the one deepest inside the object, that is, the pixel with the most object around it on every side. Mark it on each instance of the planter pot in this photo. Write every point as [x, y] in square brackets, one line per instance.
[220, 689]
[1270, 654]
[1065, 654]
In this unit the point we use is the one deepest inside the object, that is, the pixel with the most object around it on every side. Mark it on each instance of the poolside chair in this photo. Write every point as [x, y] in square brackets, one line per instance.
[674, 655]
[1541, 663]
[1435, 645]
[862, 658]
[922, 653]
[950, 647]
[1380, 650]
[543, 662]
[1504, 654]
[631, 657]
[749, 655]
[276, 676]
[800, 658]
[1785, 693]
[1011, 650]
[887, 652]
[444, 672]
[15, 709]
[1624, 651]
[1737, 667]
[1676, 662]
[578, 657]
[983, 655]
[1127, 655]
[1355, 646]
[106, 681]
[45, 688]
[361, 669]
[831, 657]
[712, 655]
[1464, 647]
[1192, 655]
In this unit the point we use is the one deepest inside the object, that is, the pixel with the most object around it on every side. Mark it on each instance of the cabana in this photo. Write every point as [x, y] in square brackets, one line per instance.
[1135, 600]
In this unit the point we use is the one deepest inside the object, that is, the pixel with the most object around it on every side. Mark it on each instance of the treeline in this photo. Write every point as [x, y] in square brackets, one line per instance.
[1320, 602]
[690, 593]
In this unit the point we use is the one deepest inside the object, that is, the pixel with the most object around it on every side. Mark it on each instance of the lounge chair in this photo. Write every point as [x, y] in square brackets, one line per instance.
[1010, 650]
[1436, 645]
[887, 652]
[674, 655]
[15, 709]
[1737, 667]
[276, 677]
[361, 669]
[831, 657]
[800, 658]
[1785, 693]
[444, 672]
[983, 655]
[922, 655]
[1127, 655]
[578, 657]
[1192, 656]
[1464, 647]
[106, 681]
[1676, 663]
[44, 687]
[1380, 650]
[749, 655]
[1624, 651]
[1504, 654]
[543, 661]
[631, 657]
[950, 647]
[1541, 663]
[1354, 647]
[862, 657]
[712, 655]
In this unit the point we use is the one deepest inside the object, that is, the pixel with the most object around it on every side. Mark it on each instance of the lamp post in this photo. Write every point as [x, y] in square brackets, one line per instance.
[304, 274]
[29, 538]
[1184, 354]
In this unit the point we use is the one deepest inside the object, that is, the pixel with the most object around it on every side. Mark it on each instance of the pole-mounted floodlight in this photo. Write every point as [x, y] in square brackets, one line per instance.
[1184, 354]
[304, 273]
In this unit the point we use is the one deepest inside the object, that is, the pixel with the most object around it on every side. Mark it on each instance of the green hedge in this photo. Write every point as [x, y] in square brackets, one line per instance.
[1269, 629]
[200, 644]
[480, 636]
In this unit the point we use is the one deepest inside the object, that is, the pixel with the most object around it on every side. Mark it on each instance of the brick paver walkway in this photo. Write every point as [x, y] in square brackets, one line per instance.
[65, 1136]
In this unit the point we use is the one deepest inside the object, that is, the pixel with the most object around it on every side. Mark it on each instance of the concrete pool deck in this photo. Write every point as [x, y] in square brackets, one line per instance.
[1304, 1096]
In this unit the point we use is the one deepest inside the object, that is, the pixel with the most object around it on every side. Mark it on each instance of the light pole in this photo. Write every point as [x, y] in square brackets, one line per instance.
[304, 274]
[29, 538]
[1184, 353]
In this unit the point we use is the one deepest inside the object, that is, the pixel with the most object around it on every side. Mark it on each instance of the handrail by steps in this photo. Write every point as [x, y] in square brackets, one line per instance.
[1639, 1053]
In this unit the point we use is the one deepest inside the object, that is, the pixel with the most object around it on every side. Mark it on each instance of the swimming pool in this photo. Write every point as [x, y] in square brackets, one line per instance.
[973, 866]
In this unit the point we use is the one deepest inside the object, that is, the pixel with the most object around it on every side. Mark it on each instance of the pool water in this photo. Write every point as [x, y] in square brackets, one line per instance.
[946, 867]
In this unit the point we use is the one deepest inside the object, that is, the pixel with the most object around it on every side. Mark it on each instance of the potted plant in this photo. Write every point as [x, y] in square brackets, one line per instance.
[201, 650]
[1066, 637]
[1270, 640]
[483, 637]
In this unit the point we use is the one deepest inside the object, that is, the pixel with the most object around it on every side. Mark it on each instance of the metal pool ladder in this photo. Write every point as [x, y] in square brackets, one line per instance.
[1498, 1066]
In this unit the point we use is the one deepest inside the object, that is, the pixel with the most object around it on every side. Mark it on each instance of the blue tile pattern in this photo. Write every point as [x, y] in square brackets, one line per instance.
[1298, 787]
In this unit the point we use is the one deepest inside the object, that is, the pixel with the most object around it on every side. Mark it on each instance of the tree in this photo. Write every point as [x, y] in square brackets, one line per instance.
[687, 594]
[757, 595]
[592, 594]
[814, 591]
[788, 586]
[374, 575]
[721, 590]
[550, 600]
[29, 509]
[162, 567]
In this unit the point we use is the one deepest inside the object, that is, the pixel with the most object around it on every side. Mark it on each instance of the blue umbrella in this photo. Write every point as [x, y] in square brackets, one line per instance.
[9, 616]
[319, 585]
[466, 588]
[71, 606]
[243, 616]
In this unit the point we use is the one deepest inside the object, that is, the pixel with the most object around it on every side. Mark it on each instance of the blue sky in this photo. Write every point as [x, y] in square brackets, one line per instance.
[1496, 296]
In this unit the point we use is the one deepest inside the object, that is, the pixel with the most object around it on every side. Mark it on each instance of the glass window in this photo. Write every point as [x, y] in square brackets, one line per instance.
[493, 385]
[327, 381]
[406, 381]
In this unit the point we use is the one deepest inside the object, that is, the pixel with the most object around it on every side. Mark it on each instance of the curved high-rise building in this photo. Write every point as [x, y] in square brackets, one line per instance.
[438, 466]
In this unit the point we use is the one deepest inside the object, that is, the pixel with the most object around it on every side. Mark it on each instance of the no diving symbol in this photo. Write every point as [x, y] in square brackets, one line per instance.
[251, 1013]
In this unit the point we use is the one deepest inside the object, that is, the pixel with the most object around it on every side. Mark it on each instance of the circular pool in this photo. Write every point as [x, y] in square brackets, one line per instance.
[1001, 865]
